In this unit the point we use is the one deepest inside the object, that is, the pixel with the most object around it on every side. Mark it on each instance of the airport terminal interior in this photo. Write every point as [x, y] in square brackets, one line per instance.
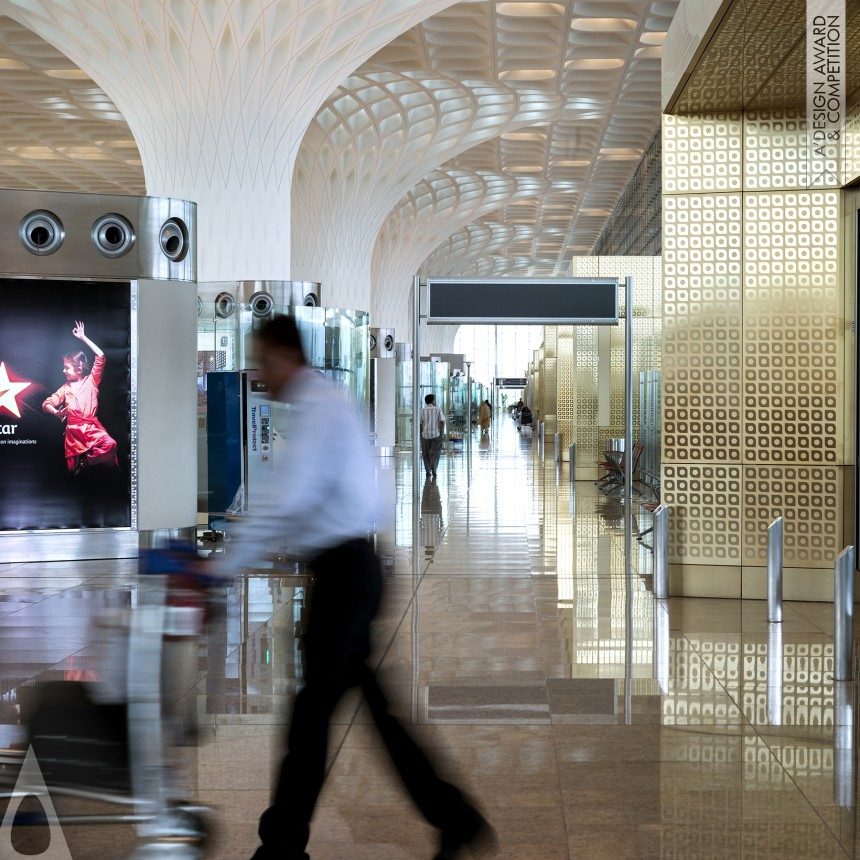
[620, 612]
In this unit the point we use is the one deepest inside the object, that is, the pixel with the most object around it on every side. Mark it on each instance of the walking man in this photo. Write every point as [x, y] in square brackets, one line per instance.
[432, 425]
[320, 501]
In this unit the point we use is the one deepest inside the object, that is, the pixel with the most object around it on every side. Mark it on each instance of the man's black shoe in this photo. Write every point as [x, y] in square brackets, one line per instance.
[471, 829]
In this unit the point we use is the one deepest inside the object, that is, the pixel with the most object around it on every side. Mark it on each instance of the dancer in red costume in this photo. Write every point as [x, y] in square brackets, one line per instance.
[87, 443]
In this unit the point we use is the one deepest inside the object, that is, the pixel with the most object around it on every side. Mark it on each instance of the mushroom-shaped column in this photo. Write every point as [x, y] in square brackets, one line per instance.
[218, 96]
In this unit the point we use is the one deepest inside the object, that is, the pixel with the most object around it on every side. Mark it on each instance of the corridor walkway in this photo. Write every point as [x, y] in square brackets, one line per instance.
[585, 720]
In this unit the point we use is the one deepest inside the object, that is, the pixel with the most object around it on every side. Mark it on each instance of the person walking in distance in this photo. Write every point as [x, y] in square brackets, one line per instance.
[319, 500]
[432, 425]
[485, 415]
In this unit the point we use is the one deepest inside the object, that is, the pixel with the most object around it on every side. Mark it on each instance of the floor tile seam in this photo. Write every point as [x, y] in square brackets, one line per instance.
[801, 792]
[807, 620]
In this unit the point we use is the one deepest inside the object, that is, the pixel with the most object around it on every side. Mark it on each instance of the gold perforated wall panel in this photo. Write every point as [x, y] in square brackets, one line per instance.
[753, 345]
[566, 387]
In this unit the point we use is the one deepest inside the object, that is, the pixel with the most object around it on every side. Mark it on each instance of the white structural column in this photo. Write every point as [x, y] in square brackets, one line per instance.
[218, 96]
[379, 134]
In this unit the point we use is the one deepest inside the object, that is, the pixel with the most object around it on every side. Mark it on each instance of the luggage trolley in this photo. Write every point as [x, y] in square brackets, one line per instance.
[130, 769]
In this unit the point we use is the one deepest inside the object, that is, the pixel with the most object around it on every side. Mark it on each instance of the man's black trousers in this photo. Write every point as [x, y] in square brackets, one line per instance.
[345, 600]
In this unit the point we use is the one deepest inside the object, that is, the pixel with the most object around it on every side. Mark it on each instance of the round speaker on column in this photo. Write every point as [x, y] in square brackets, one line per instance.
[262, 305]
[225, 305]
[41, 232]
[388, 343]
[112, 235]
[173, 239]
[372, 342]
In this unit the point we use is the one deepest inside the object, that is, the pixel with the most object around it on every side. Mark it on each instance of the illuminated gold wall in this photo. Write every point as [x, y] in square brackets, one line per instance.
[753, 354]
[569, 362]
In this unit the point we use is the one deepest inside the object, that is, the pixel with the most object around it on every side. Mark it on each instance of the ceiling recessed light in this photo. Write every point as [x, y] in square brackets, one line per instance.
[523, 135]
[527, 75]
[530, 10]
[604, 25]
[67, 74]
[597, 64]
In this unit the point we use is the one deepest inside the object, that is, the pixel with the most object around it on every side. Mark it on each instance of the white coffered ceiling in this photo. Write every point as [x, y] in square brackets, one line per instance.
[491, 137]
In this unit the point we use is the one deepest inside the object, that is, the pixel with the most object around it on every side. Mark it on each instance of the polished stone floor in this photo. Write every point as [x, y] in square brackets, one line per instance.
[586, 719]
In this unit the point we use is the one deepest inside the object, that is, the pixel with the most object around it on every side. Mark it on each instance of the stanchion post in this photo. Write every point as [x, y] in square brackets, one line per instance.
[661, 552]
[843, 609]
[571, 454]
[774, 571]
[556, 445]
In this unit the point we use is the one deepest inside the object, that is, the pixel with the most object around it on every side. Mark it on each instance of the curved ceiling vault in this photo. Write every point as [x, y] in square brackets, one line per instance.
[599, 59]
[218, 96]
[210, 99]
[375, 137]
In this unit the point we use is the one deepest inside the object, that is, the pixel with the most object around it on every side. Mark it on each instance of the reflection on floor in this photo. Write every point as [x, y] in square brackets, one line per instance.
[586, 719]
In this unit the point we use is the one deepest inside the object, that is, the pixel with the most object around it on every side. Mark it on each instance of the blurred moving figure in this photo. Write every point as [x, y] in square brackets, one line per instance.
[432, 425]
[321, 502]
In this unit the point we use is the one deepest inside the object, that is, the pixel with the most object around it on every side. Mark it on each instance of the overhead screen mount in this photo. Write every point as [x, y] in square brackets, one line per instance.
[522, 301]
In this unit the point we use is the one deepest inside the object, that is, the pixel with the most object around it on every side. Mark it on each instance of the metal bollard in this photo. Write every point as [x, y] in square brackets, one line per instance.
[571, 455]
[661, 552]
[556, 443]
[843, 610]
[774, 571]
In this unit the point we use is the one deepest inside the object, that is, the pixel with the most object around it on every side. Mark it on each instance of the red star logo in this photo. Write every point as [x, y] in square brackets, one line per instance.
[8, 390]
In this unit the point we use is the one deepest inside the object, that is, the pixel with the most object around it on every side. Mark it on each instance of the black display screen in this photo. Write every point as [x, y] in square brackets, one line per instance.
[535, 302]
[65, 425]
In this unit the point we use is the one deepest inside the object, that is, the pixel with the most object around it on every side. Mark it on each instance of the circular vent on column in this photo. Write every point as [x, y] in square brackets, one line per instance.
[388, 343]
[262, 305]
[41, 232]
[372, 342]
[113, 235]
[174, 239]
[225, 304]
[199, 306]
[311, 300]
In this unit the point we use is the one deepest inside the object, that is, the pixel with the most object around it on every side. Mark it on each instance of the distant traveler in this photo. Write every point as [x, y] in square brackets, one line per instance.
[432, 425]
[525, 417]
[320, 500]
[485, 415]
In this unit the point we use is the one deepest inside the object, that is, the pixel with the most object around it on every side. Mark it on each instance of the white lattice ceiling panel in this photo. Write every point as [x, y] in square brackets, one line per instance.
[603, 59]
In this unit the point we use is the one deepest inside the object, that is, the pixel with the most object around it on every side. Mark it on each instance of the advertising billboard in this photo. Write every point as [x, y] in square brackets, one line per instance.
[65, 405]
